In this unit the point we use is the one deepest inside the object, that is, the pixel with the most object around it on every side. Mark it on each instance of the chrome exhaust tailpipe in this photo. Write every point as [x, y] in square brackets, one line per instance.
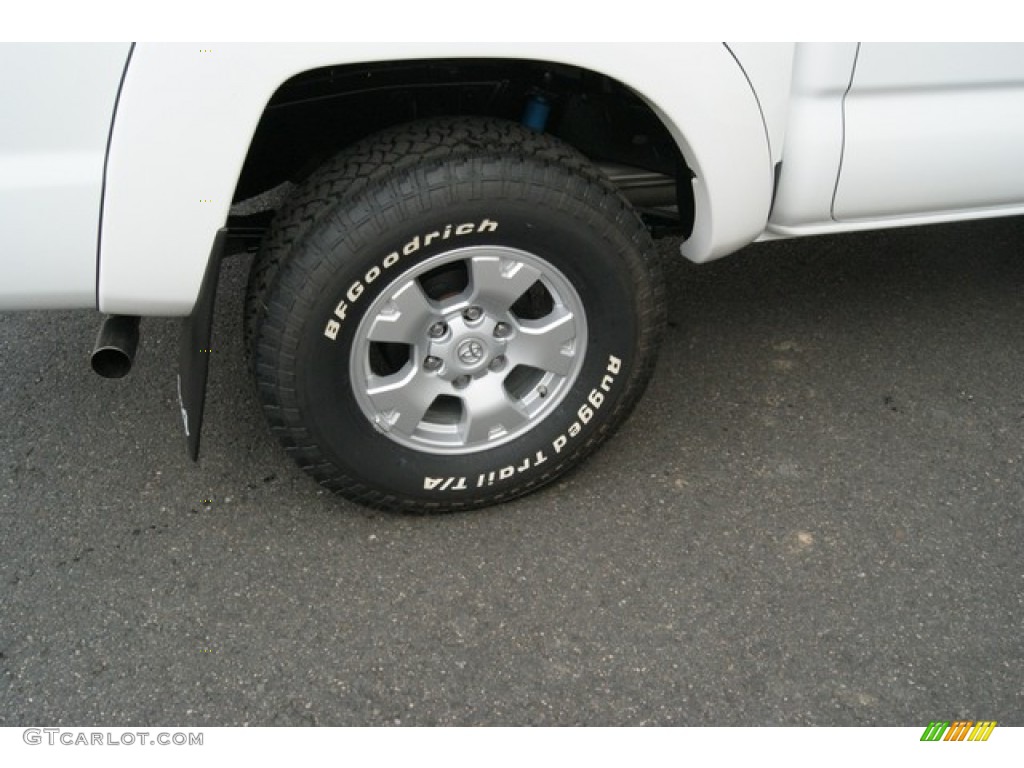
[115, 346]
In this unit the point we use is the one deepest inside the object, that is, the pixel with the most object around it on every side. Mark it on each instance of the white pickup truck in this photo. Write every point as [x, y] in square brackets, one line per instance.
[454, 297]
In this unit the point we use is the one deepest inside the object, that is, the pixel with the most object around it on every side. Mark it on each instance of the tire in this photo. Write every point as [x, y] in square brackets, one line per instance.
[460, 329]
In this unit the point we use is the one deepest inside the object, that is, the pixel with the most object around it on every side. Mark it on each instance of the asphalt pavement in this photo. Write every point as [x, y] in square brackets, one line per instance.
[813, 518]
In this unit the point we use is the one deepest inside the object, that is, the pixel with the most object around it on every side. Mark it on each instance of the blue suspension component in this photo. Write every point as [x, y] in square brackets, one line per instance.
[536, 113]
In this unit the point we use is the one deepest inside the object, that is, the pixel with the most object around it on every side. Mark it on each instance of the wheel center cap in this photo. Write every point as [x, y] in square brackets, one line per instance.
[470, 351]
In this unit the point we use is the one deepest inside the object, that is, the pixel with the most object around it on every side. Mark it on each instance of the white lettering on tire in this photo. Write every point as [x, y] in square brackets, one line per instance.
[594, 401]
[356, 290]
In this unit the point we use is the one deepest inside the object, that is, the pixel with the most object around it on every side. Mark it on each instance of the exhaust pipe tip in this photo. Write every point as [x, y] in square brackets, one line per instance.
[115, 348]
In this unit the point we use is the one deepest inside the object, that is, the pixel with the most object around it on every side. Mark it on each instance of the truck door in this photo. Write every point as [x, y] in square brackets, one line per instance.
[932, 128]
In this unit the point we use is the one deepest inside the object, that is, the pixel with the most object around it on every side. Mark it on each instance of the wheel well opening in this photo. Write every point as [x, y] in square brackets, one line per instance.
[317, 113]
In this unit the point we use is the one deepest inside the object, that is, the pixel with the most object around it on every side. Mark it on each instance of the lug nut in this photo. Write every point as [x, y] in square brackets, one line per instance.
[472, 314]
[501, 330]
[461, 383]
[437, 330]
[432, 363]
[497, 363]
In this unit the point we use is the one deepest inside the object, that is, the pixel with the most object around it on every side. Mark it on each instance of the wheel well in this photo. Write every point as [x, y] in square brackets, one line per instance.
[316, 113]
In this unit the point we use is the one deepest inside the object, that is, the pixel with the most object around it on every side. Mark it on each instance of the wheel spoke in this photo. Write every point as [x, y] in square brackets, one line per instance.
[402, 398]
[498, 282]
[489, 411]
[404, 318]
[546, 344]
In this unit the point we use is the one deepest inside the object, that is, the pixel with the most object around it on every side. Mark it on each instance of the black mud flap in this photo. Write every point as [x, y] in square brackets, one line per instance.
[194, 350]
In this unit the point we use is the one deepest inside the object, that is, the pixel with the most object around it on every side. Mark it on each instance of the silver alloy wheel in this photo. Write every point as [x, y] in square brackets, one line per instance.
[468, 350]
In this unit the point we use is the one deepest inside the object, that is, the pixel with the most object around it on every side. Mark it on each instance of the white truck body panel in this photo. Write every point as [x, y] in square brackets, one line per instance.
[177, 158]
[892, 135]
[942, 124]
[53, 141]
